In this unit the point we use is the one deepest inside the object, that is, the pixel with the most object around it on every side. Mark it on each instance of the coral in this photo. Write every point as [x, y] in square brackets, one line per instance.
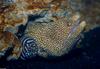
[10, 40]
[89, 10]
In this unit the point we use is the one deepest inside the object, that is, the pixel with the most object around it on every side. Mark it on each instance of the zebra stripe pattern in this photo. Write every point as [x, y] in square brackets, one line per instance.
[29, 47]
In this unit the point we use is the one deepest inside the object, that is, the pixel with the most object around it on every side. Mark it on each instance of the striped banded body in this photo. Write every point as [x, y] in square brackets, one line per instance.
[29, 47]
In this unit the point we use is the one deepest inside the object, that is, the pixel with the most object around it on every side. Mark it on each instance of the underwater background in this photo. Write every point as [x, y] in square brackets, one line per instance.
[85, 53]
[85, 57]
